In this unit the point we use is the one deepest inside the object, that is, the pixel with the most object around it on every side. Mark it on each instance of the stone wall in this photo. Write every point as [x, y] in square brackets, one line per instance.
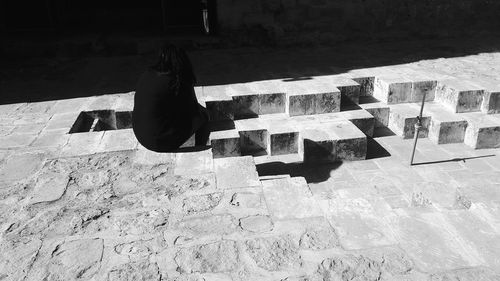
[292, 21]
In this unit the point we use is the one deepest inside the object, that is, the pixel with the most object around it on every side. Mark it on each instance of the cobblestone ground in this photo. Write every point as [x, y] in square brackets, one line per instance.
[101, 207]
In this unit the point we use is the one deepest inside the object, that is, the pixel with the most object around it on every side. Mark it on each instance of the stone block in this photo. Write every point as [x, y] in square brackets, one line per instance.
[55, 139]
[290, 199]
[362, 119]
[317, 145]
[60, 121]
[393, 89]
[116, 140]
[272, 103]
[16, 140]
[483, 131]
[366, 85]
[193, 163]
[82, 144]
[361, 218]
[380, 111]
[349, 88]
[491, 102]
[445, 127]
[220, 110]
[419, 88]
[253, 142]
[298, 104]
[225, 143]
[402, 120]
[460, 96]
[246, 106]
[327, 102]
[236, 172]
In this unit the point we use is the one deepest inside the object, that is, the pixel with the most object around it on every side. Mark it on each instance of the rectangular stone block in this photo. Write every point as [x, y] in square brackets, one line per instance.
[300, 104]
[317, 146]
[220, 110]
[290, 198]
[283, 143]
[236, 172]
[393, 89]
[483, 131]
[253, 142]
[272, 103]
[361, 119]
[327, 102]
[349, 88]
[246, 106]
[402, 120]
[445, 127]
[116, 140]
[82, 144]
[419, 88]
[460, 96]
[225, 143]
[366, 85]
[491, 102]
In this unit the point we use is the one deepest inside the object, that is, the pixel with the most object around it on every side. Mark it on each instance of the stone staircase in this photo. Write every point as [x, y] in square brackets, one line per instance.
[330, 118]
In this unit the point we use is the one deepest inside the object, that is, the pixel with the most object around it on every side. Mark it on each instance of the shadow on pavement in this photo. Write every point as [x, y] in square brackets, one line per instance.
[313, 173]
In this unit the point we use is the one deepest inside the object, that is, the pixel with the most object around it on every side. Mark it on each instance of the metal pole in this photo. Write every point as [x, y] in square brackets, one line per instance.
[418, 126]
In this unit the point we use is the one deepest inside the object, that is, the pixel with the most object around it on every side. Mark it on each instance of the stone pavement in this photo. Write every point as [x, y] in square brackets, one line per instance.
[95, 205]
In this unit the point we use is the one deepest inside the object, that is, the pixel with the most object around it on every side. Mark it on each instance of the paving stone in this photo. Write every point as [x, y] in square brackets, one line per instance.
[116, 140]
[236, 172]
[16, 140]
[381, 263]
[49, 187]
[460, 96]
[139, 270]
[215, 257]
[77, 259]
[290, 198]
[18, 259]
[225, 143]
[193, 163]
[360, 218]
[445, 127]
[31, 163]
[483, 131]
[319, 237]
[32, 129]
[208, 225]
[257, 223]
[61, 121]
[439, 195]
[35, 107]
[480, 236]
[274, 253]
[466, 274]
[402, 120]
[82, 144]
[201, 203]
[431, 242]
[69, 105]
[247, 200]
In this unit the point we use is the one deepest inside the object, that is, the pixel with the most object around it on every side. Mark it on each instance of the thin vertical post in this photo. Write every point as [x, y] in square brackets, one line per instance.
[418, 126]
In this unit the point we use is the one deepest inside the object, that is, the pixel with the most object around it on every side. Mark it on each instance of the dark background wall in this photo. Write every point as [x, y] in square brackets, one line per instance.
[295, 21]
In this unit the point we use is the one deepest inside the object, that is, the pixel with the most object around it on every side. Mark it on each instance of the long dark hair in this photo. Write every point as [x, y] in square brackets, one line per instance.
[174, 61]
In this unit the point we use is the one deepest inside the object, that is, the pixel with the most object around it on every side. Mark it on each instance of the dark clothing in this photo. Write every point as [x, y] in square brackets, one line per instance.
[163, 121]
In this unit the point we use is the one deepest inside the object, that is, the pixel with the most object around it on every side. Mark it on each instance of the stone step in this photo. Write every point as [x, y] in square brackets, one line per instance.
[225, 143]
[332, 141]
[379, 110]
[280, 135]
[405, 87]
[350, 89]
[403, 117]
[311, 97]
[483, 131]
[362, 119]
[460, 96]
[445, 127]
[290, 198]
